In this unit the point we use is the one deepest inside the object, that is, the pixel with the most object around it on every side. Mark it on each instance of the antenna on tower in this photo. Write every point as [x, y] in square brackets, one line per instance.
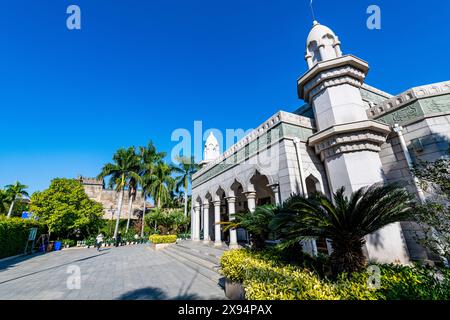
[312, 10]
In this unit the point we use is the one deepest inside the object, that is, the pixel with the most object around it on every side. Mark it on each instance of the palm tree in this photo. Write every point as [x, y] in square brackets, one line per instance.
[121, 171]
[345, 222]
[185, 169]
[162, 183]
[256, 223]
[15, 192]
[132, 187]
[149, 159]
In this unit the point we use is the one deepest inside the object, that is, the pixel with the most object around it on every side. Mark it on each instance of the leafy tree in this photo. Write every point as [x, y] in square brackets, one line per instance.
[185, 169]
[149, 159]
[257, 223]
[346, 221]
[3, 201]
[435, 176]
[66, 209]
[122, 170]
[434, 217]
[434, 214]
[15, 193]
[168, 221]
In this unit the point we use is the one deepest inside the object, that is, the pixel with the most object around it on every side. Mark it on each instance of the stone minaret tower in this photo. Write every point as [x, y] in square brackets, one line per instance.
[347, 141]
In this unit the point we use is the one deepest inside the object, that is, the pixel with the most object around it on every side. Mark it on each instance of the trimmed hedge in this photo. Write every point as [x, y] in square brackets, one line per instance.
[265, 277]
[156, 238]
[14, 235]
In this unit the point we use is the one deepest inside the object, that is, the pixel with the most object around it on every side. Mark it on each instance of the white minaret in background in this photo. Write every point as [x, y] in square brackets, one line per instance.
[212, 149]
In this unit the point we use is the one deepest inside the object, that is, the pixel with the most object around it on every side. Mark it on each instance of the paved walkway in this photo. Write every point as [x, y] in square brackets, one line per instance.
[129, 272]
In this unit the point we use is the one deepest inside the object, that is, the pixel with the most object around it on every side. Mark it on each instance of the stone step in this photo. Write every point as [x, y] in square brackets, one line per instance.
[189, 262]
[195, 258]
[201, 247]
[198, 253]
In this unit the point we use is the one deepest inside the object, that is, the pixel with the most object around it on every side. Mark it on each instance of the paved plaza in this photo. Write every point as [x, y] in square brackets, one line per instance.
[129, 272]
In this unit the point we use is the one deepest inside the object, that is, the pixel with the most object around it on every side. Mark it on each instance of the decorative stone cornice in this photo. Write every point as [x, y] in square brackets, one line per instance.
[346, 69]
[408, 97]
[350, 137]
[277, 118]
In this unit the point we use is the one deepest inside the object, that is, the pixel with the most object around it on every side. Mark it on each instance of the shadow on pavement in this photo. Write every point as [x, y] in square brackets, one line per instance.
[152, 293]
[9, 262]
[50, 268]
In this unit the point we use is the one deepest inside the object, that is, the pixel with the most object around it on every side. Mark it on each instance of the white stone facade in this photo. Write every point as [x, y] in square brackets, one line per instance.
[343, 136]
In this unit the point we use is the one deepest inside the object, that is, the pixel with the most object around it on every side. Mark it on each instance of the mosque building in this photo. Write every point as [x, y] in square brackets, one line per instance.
[346, 134]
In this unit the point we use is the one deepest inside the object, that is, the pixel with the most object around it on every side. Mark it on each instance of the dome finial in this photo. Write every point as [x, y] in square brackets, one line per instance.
[322, 44]
[312, 12]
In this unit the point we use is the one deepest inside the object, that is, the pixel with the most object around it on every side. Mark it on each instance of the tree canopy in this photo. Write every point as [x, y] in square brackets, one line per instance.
[66, 209]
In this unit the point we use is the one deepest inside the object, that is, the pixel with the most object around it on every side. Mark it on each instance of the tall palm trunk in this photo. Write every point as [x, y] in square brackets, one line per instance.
[130, 207]
[185, 199]
[11, 208]
[119, 209]
[143, 217]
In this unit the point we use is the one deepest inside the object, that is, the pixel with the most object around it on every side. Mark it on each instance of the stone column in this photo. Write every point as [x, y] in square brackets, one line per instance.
[206, 222]
[196, 228]
[192, 222]
[276, 191]
[231, 210]
[251, 200]
[217, 233]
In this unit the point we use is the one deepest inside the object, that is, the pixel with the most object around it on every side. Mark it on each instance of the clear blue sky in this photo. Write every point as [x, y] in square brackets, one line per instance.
[139, 69]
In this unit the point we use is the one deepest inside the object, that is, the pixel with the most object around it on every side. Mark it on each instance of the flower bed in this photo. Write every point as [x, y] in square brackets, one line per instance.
[159, 241]
[156, 238]
[265, 277]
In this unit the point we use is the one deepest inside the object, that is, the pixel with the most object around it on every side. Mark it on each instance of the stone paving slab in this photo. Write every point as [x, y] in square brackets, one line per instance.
[129, 272]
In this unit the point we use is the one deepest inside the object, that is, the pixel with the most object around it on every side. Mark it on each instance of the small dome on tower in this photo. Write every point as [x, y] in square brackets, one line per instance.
[322, 44]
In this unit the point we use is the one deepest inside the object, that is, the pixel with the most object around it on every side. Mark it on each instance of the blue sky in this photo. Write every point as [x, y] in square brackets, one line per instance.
[140, 69]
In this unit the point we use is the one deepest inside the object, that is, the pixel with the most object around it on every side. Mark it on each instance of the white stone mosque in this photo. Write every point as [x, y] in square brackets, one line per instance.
[347, 134]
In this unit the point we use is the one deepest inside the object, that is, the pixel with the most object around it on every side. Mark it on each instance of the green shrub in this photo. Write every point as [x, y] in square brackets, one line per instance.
[14, 235]
[156, 238]
[265, 277]
[68, 242]
[418, 282]
[90, 242]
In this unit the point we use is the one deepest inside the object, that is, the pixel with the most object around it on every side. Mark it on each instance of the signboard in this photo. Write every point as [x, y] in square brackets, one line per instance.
[32, 235]
[26, 215]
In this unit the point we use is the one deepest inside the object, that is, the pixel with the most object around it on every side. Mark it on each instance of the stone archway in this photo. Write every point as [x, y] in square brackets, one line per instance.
[241, 205]
[263, 189]
[220, 214]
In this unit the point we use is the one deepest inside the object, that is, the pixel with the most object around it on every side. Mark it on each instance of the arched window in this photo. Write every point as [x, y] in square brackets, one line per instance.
[312, 185]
